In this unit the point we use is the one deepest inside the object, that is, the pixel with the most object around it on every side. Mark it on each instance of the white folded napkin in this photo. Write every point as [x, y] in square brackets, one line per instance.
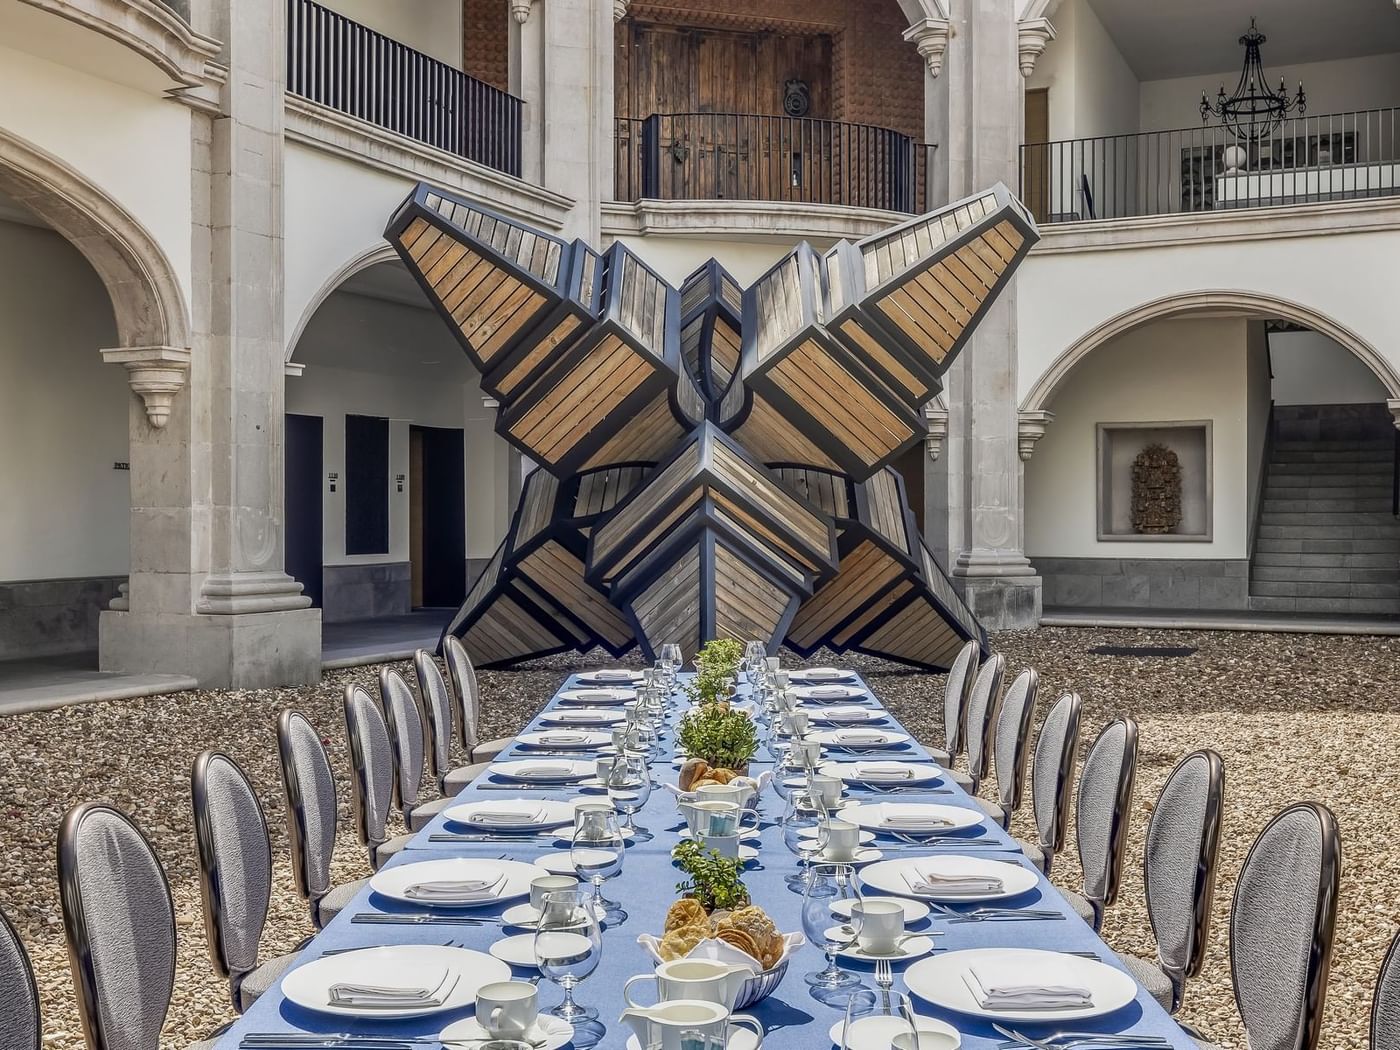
[999, 995]
[545, 769]
[883, 771]
[859, 736]
[508, 816]
[611, 674]
[952, 885]
[455, 889]
[385, 996]
[826, 690]
[844, 714]
[912, 821]
[590, 717]
[563, 738]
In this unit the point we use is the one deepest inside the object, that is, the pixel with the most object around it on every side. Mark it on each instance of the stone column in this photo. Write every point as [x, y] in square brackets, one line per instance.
[975, 113]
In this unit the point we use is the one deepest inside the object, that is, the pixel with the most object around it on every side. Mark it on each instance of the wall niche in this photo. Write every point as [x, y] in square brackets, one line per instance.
[1118, 447]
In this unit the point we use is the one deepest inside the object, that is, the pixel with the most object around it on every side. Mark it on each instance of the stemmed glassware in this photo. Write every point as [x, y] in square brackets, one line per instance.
[887, 1019]
[826, 885]
[670, 661]
[629, 787]
[568, 947]
[805, 832]
[597, 851]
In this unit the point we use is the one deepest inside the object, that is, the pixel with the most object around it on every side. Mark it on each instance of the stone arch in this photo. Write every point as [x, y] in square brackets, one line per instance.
[147, 302]
[1254, 303]
[380, 253]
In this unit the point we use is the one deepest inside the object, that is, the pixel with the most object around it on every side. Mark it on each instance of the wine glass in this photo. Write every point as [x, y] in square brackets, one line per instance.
[827, 885]
[597, 850]
[805, 831]
[568, 946]
[629, 787]
[671, 662]
[887, 1019]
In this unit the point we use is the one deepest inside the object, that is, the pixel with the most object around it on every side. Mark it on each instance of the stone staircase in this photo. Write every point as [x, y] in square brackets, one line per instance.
[1327, 541]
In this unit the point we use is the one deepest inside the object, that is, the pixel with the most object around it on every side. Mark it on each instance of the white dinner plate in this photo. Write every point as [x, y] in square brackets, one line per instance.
[935, 819]
[861, 738]
[535, 813]
[553, 1032]
[940, 980]
[821, 674]
[889, 877]
[846, 715]
[599, 696]
[827, 694]
[882, 771]
[913, 946]
[877, 1033]
[397, 882]
[565, 739]
[583, 716]
[519, 950]
[611, 676]
[309, 986]
[914, 911]
[864, 855]
[523, 915]
[562, 770]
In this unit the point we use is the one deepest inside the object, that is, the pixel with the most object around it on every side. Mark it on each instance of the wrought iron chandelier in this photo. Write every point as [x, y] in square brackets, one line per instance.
[1253, 111]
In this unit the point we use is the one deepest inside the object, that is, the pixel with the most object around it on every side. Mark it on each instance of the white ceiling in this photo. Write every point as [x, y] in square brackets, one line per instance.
[389, 281]
[1178, 38]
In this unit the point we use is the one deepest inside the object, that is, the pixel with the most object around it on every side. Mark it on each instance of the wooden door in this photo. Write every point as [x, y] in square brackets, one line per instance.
[1035, 160]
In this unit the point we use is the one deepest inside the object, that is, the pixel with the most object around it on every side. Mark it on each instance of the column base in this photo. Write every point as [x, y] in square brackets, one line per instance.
[1004, 603]
[240, 651]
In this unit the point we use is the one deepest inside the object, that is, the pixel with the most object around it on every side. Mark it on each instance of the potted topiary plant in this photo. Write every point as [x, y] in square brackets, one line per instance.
[721, 736]
[716, 665]
[712, 879]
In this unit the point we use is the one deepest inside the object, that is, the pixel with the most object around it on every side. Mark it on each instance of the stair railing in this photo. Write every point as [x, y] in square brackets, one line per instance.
[1266, 459]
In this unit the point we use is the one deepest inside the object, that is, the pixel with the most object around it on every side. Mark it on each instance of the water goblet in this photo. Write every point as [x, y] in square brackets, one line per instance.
[597, 850]
[568, 946]
[805, 831]
[629, 787]
[827, 885]
[887, 1019]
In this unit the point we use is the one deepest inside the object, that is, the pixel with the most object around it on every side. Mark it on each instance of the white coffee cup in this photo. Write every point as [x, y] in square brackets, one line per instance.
[507, 1009]
[795, 722]
[544, 885]
[724, 845]
[879, 925]
[603, 767]
[706, 817]
[827, 790]
[842, 840]
[708, 980]
[806, 754]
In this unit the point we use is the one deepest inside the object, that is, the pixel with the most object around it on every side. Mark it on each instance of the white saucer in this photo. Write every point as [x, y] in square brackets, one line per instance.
[878, 1039]
[864, 855]
[914, 946]
[526, 917]
[739, 1039]
[565, 837]
[866, 837]
[562, 863]
[747, 835]
[517, 950]
[552, 1032]
[914, 911]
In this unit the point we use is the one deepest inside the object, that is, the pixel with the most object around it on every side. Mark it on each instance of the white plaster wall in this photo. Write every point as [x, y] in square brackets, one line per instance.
[1370, 82]
[431, 26]
[1164, 372]
[133, 145]
[1093, 91]
[675, 257]
[370, 357]
[63, 415]
[1311, 369]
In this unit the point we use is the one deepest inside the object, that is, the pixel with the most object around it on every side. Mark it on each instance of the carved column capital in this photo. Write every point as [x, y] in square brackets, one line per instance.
[157, 373]
[1393, 403]
[520, 11]
[936, 419]
[1030, 428]
[619, 10]
[1031, 37]
[930, 36]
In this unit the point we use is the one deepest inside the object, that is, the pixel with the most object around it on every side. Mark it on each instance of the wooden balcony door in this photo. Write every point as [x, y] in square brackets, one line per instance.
[1035, 160]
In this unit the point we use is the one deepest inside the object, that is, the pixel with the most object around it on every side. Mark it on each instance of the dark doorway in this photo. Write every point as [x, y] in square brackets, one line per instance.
[437, 529]
[302, 483]
[366, 485]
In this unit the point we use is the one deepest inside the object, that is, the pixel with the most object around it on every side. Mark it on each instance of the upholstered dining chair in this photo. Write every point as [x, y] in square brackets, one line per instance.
[437, 712]
[1282, 923]
[235, 876]
[957, 687]
[1052, 780]
[372, 768]
[1011, 745]
[312, 815]
[461, 677]
[406, 736]
[19, 996]
[983, 706]
[120, 926]
[1385, 1006]
[1179, 866]
[1101, 815]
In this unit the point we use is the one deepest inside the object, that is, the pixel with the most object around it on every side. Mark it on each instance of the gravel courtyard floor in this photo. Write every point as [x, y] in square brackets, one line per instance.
[1294, 716]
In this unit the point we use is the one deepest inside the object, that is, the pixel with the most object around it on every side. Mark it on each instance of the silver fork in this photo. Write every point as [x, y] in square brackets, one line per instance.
[1060, 1040]
[884, 980]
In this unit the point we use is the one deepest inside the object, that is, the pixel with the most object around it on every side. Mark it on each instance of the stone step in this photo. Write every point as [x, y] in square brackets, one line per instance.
[1376, 468]
[1310, 545]
[1372, 444]
[1313, 559]
[1329, 480]
[1343, 606]
[1320, 492]
[1374, 505]
[1331, 454]
[1318, 524]
[1323, 574]
[1322, 589]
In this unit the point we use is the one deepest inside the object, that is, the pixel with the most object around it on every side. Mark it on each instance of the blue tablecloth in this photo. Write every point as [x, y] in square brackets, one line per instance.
[645, 887]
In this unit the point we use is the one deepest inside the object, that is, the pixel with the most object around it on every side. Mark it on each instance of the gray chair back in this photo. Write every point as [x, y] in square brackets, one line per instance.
[1103, 810]
[1012, 743]
[461, 680]
[1281, 928]
[957, 687]
[1385, 1007]
[1179, 865]
[235, 864]
[309, 788]
[120, 927]
[983, 706]
[19, 997]
[1052, 774]
[437, 714]
[405, 724]
[371, 765]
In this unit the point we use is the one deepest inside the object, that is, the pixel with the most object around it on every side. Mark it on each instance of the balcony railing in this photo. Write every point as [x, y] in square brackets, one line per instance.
[349, 67]
[749, 157]
[1332, 157]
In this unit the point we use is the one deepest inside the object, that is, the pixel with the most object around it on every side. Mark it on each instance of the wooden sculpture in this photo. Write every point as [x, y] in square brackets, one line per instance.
[714, 461]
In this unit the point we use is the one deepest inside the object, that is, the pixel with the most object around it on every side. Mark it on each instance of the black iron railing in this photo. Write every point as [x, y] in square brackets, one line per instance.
[750, 157]
[349, 67]
[1335, 156]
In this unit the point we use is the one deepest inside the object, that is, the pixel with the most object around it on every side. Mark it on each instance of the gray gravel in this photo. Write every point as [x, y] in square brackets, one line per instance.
[1295, 717]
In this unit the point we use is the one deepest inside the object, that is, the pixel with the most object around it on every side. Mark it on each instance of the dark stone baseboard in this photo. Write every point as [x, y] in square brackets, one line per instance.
[1145, 583]
[366, 592]
[50, 617]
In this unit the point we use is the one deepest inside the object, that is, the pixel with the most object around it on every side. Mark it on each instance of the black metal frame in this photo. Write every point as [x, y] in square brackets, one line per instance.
[397, 741]
[1064, 780]
[977, 769]
[359, 772]
[1120, 818]
[1389, 963]
[36, 1034]
[296, 809]
[75, 919]
[1011, 788]
[423, 664]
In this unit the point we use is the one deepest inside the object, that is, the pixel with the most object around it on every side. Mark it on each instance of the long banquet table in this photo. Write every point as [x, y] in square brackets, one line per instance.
[645, 887]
